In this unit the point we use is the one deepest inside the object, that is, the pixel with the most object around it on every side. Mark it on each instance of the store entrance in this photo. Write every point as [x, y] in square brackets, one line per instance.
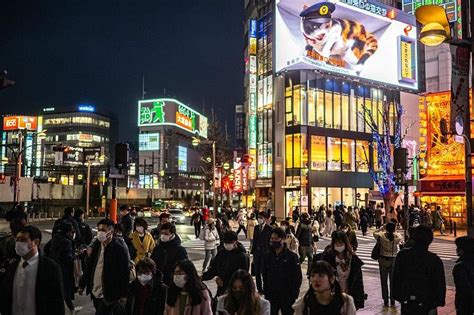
[452, 208]
[292, 200]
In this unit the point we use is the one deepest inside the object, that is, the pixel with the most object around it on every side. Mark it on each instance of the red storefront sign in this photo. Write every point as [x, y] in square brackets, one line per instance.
[442, 185]
[238, 180]
[19, 122]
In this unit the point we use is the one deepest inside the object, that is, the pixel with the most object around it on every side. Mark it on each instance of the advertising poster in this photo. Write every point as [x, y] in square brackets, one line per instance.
[459, 87]
[363, 39]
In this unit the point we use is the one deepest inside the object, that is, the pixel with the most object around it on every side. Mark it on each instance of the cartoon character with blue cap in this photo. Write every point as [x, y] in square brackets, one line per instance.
[335, 38]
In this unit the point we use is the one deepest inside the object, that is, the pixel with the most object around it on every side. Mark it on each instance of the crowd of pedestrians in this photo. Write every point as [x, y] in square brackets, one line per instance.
[131, 268]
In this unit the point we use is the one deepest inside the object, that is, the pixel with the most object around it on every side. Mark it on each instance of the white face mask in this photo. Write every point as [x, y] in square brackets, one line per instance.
[140, 229]
[73, 236]
[144, 278]
[229, 246]
[179, 280]
[165, 238]
[22, 249]
[339, 249]
[102, 236]
[260, 221]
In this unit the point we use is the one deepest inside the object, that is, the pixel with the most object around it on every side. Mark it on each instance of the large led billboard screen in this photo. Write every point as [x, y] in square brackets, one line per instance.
[362, 39]
[167, 111]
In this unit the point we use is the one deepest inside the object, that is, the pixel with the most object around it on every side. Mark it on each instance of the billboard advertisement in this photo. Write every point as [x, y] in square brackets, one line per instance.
[166, 111]
[149, 141]
[19, 122]
[182, 158]
[362, 39]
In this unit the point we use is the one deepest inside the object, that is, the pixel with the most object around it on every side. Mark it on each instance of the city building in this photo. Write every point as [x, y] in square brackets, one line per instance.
[167, 158]
[306, 128]
[239, 136]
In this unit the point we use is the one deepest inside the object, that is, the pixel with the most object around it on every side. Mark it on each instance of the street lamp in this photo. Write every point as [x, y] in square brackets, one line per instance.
[435, 31]
[195, 142]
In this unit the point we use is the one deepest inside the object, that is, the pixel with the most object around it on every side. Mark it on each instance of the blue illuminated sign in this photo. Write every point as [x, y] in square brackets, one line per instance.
[86, 108]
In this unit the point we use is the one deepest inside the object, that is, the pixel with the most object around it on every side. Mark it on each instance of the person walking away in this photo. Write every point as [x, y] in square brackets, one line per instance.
[118, 234]
[321, 217]
[62, 251]
[350, 218]
[251, 224]
[420, 284]
[260, 245]
[324, 295]
[242, 298]
[168, 252]
[338, 216]
[84, 228]
[68, 217]
[126, 219]
[142, 240]
[196, 219]
[32, 283]
[205, 214]
[392, 215]
[107, 274]
[378, 217]
[389, 241]
[364, 223]
[296, 214]
[351, 235]
[291, 241]
[273, 221]
[241, 220]
[463, 274]
[228, 260]
[147, 294]
[186, 293]
[211, 241]
[281, 275]
[329, 224]
[348, 267]
[304, 235]
[439, 221]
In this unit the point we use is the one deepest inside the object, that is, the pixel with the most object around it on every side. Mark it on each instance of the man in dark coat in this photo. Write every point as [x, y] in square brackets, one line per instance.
[126, 219]
[463, 274]
[229, 259]
[68, 217]
[281, 275]
[260, 245]
[304, 234]
[47, 290]
[107, 275]
[419, 283]
[84, 228]
[168, 252]
[196, 220]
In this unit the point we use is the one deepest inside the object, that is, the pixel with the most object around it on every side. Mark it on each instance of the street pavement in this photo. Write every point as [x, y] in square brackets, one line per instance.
[443, 246]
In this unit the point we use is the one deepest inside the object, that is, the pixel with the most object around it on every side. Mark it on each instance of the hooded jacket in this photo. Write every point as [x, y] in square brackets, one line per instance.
[166, 255]
[225, 264]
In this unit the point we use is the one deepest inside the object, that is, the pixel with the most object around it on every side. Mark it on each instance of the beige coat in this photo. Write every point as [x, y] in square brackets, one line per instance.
[250, 228]
[203, 309]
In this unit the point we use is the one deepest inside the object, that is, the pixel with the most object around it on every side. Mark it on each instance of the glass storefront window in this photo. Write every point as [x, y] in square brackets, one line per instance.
[312, 107]
[393, 117]
[362, 154]
[348, 155]
[348, 196]
[334, 196]
[289, 151]
[296, 151]
[360, 118]
[337, 110]
[345, 111]
[297, 105]
[376, 156]
[380, 110]
[318, 197]
[320, 108]
[328, 103]
[318, 153]
[362, 192]
[334, 154]
[288, 112]
[353, 111]
[368, 104]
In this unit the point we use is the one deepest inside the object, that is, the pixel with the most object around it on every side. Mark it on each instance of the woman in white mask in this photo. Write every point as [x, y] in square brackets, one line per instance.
[142, 240]
[187, 294]
[147, 293]
[348, 267]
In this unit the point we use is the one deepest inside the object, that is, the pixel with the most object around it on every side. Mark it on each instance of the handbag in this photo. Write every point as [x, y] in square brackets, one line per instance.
[375, 255]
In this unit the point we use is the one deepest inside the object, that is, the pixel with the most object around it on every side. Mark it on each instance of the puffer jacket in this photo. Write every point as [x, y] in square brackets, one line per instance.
[211, 238]
[388, 248]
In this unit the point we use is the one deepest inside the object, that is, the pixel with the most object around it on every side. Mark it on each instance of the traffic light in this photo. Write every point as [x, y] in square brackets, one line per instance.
[247, 159]
[121, 155]
[399, 177]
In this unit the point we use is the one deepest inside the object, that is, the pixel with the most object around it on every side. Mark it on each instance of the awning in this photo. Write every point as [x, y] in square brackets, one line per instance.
[442, 184]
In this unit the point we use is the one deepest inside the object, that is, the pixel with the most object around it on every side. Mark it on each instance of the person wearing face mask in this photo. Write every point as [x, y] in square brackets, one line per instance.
[291, 241]
[168, 252]
[142, 240]
[281, 275]
[62, 251]
[68, 217]
[351, 235]
[33, 283]
[348, 267]
[107, 274]
[242, 298]
[147, 295]
[17, 219]
[211, 241]
[229, 259]
[260, 246]
[186, 293]
[324, 295]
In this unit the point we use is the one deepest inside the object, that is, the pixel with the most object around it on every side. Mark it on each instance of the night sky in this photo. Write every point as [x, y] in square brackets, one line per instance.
[69, 52]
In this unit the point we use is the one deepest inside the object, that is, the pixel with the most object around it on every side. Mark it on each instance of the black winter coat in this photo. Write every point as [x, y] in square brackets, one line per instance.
[225, 264]
[419, 273]
[304, 234]
[281, 276]
[261, 240]
[49, 289]
[166, 255]
[355, 281]
[127, 222]
[70, 219]
[116, 272]
[155, 303]
[62, 252]
[86, 232]
[463, 274]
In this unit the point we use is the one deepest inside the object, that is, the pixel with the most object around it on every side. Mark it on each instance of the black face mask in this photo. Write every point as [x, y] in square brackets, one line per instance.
[276, 244]
[238, 295]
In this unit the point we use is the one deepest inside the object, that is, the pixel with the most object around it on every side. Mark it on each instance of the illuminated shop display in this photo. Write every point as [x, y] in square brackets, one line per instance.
[304, 43]
[182, 158]
[149, 141]
[167, 111]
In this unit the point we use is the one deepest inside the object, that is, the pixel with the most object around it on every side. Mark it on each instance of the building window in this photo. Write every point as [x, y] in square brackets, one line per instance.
[288, 109]
[297, 102]
[362, 154]
[296, 151]
[318, 153]
[312, 107]
[345, 111]
[360, 107]
[289, 151]
[334, 154]
[348, 196]
[318, 197]
[320, 108]
[348, 155]
[337, 106]
[328, 107]
[334, 196]
[353, 111]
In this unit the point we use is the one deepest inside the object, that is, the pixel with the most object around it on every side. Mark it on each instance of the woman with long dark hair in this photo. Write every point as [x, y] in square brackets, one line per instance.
[242, 298]
[348, 267]
[324, 295]
[187, 294]
[389, 241]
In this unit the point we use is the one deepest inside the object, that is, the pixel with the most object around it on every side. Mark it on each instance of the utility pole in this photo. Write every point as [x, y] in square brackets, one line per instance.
[88, 186]
[18, 163]
[214, 204]
[152, 178]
